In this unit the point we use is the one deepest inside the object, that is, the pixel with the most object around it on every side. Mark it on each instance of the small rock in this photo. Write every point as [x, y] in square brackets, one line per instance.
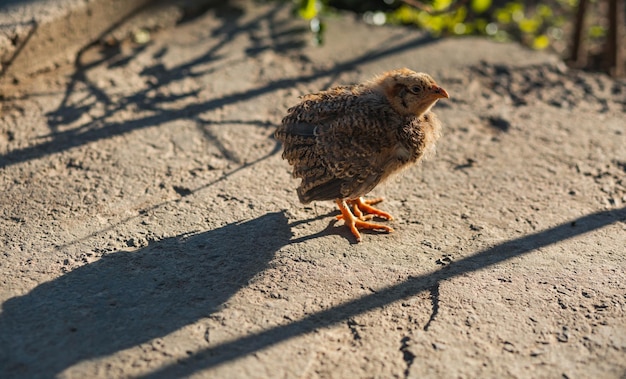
[476, 228]
[588, 294]
[439, 346]
[509, 347]
[499, 123]
[472, 319]
[141, 36]
[564, 335]
[445, 260]
[537, 352]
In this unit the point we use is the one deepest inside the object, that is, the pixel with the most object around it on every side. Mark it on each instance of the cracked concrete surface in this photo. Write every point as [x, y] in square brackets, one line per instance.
[149, 228]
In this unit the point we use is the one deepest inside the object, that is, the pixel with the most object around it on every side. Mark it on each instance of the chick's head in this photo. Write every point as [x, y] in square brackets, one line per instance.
[410, 92]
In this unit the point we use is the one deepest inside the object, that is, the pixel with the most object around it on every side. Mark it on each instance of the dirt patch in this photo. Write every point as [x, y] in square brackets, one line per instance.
[149, 227]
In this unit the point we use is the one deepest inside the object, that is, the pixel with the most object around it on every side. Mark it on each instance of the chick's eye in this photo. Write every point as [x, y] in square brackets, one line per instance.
[416, 89]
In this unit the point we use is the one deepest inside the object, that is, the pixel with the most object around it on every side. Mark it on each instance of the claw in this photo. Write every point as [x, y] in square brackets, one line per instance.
[359, 222]
[364, 211]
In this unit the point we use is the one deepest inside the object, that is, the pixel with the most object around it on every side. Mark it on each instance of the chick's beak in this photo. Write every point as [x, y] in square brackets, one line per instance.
[439, 92]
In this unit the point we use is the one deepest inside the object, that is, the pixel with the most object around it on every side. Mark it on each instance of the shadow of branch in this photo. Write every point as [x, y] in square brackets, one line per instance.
[160, 109]
[187, 192]
[229, 351]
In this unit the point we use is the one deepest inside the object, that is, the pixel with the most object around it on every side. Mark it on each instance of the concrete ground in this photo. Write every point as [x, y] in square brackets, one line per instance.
[150, 229]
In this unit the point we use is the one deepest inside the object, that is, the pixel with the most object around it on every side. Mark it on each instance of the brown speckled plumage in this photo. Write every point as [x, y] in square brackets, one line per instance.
[344, 141]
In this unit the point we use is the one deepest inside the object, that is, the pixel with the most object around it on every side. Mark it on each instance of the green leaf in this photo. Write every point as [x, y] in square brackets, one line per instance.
[544, 11]
[503, 16]
[541, 42]
[440, 5]
[597, 31]
[308, 9]
[479, 6]
[459, 16]
[406, 15]
[529, 25]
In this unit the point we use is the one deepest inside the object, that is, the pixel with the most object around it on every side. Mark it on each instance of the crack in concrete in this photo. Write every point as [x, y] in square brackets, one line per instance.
[434, 299]
[352, 325]
[407, 355]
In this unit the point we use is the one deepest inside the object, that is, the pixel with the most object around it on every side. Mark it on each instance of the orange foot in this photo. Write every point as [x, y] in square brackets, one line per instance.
[363, 208]
[360, 221]
[364, 211]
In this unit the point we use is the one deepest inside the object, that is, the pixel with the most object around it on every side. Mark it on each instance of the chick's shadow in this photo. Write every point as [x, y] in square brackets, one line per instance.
[128, 298]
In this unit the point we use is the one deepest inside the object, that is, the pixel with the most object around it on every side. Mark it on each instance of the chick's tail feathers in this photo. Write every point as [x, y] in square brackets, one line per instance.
[299, 143]
[319, 187]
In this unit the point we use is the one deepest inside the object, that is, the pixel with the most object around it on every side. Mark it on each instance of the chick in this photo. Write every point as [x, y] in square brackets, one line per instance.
[344, 141]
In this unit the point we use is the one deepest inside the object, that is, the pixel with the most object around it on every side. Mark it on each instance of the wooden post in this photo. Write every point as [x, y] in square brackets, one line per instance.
[615, 55]
[579, 56]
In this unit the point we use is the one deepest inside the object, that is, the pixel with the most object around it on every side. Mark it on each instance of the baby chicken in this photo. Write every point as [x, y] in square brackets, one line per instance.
[344, 141]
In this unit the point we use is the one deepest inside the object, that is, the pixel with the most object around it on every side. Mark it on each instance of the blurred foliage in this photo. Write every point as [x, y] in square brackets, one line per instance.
[535, 24]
